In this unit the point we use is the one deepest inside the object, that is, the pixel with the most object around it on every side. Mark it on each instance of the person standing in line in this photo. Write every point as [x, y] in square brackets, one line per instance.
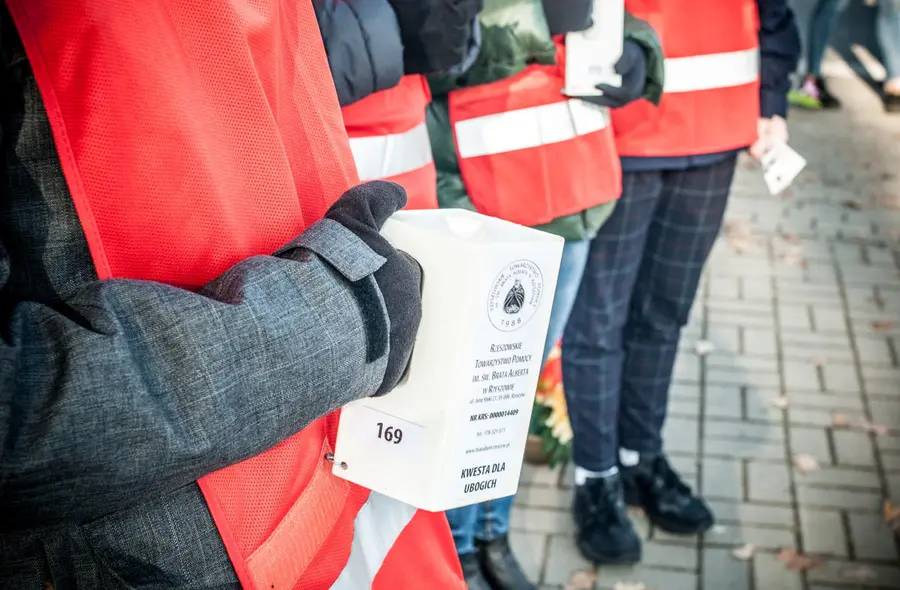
[887, 26]
[482, 127]
[192, 281]
[728, 66]
[376, 51]
[813, 92]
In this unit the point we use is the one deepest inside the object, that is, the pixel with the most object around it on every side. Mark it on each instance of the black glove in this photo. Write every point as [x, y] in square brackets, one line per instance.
[363, 210]
[632, 66]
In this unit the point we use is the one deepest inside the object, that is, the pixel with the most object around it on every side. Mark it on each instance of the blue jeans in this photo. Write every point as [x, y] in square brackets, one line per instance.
[824, 16]
[888, 29]
[490, 520]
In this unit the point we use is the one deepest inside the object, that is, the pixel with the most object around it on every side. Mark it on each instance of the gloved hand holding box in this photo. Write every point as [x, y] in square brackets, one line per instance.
[453, 432]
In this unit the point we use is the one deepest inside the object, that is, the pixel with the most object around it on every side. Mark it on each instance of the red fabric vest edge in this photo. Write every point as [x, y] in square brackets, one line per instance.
[396, 111]
[698, 121]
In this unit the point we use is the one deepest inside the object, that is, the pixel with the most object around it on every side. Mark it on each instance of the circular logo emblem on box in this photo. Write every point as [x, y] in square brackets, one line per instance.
[515, 295]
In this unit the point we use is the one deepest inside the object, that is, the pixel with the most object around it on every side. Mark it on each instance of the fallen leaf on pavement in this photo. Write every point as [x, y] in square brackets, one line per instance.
[630, 586]
[797, 562]
[859, 573]
[583, 580]
[793, 256]
[704, 347]
[882, 326]
[839, 420]
[780, 402]
[806, 463]
[744, 553]
[892, 516]
[852, 205]
[876, 429]
[739, 236]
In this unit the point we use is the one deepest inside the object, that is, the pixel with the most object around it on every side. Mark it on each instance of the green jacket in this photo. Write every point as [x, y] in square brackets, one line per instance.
[505, 51]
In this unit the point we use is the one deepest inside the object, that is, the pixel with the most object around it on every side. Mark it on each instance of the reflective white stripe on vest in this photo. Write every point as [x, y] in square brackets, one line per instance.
[383, 156]
[528, 128]
[715, 70]
[377, 526]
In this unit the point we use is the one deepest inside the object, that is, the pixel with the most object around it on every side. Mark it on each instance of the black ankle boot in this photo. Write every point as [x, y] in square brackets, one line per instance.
[500, 567]
[471, 568]
[604, 532]
[653, 485]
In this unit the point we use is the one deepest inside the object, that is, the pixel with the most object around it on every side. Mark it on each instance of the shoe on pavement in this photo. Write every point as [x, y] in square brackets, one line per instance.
[826, 98]
[603, 530]
[471, 568]
[807, 96]
[669, 503]
[500, 567]
[891, 102]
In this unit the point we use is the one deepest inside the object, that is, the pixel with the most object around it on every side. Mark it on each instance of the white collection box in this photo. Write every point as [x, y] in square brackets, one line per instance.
[453, 433]
[591, 55]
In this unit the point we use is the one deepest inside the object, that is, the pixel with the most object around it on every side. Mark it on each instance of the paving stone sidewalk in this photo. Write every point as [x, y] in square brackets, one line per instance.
[810, 312]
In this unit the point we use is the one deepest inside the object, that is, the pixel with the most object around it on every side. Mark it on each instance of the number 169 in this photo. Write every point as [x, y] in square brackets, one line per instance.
[390, 434]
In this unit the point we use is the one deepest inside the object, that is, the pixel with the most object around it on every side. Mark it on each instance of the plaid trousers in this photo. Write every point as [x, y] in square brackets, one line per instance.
[642, 275]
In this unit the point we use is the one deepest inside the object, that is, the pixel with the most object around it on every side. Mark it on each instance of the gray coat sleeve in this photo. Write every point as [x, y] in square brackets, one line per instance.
[138, 388]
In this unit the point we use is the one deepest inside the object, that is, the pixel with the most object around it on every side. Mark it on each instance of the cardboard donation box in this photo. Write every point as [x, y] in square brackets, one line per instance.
[453, 433]
[591, 55]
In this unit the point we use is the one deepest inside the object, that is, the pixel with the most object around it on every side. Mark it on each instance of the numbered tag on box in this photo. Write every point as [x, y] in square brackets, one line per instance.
[781, 165]
[393, 436]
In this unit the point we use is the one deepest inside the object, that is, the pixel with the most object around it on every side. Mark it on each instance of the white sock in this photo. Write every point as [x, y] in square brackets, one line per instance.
[629, 458]
[582, 474]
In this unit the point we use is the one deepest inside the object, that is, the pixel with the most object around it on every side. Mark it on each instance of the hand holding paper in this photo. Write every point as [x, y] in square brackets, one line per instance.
[771, 132]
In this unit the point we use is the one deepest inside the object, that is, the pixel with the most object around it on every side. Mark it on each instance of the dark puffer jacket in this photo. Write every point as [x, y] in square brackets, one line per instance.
[372, 43]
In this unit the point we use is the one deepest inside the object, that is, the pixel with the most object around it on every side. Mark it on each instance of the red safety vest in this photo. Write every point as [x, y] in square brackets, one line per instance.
[711, 99]
[389, 139]
[529, 154]
[192, 135]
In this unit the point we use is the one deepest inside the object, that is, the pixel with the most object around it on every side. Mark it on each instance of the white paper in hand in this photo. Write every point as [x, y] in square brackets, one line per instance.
[781, 165]
[591, 55]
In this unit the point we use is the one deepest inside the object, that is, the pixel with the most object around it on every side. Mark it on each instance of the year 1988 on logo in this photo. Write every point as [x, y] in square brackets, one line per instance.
[515, 295]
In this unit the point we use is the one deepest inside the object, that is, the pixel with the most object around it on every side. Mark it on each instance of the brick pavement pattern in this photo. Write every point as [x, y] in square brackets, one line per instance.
[808, 311]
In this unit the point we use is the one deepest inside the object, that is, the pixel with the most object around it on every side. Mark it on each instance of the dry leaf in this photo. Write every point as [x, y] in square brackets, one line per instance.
[839, 420]
[892, 516]
[859, 573]
[882, 326]
[630, 586]
[704, 347]
[806, 463]
[797, 562]
[853, 205]
[744, 553]
[876, 429]
[739, 236]
[583, 580]
[793, 256]
[780, 402]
